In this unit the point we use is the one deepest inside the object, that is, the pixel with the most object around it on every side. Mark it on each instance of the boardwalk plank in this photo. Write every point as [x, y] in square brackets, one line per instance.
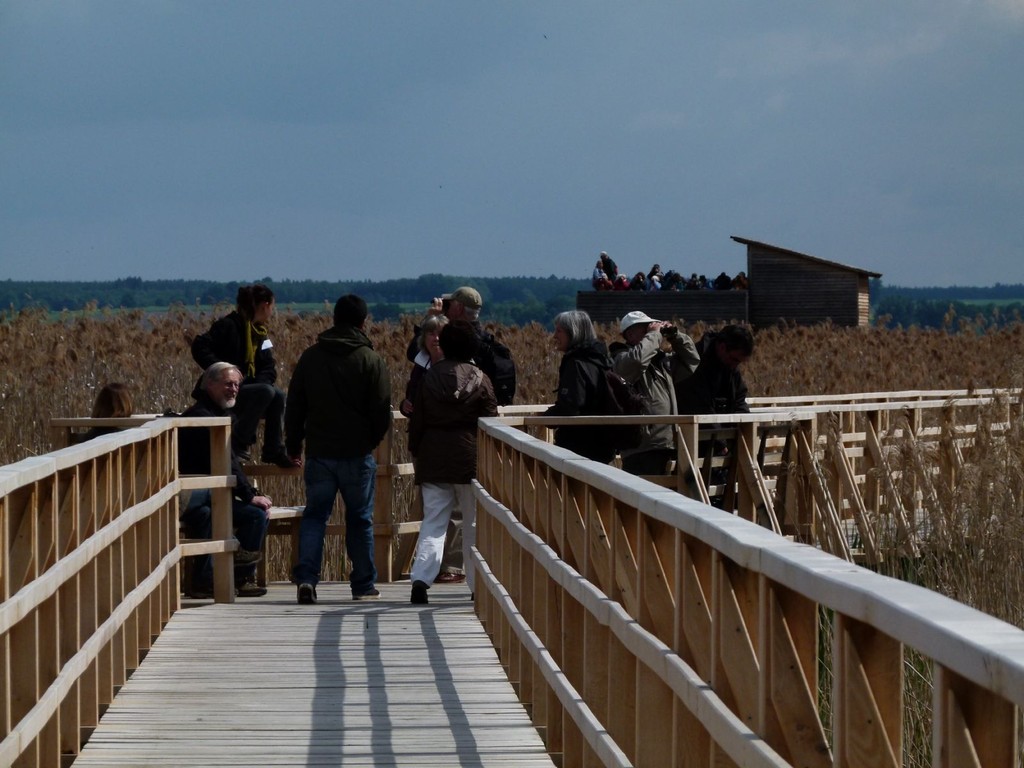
[268, 682]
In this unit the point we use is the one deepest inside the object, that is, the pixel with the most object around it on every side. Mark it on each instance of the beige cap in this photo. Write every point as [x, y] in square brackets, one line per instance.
[467, 297]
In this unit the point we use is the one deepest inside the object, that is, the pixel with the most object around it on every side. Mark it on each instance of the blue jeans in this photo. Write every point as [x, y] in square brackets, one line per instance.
[250, 524]
[355, 479]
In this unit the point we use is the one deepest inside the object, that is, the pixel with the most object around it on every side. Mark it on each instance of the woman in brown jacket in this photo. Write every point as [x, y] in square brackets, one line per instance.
[454, 393]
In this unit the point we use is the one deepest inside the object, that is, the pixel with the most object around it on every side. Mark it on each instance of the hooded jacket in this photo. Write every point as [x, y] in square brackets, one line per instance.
[582, 391]
[442, 429]
[339, 397]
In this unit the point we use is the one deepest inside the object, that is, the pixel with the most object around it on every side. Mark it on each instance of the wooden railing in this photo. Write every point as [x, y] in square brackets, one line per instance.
[89, 556]
[642, 627]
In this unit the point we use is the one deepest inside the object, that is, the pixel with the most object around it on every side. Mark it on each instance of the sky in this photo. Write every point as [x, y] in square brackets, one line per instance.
[372, 140]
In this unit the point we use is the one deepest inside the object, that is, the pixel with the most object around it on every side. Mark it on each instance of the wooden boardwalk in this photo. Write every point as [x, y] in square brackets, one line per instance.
[268, 682]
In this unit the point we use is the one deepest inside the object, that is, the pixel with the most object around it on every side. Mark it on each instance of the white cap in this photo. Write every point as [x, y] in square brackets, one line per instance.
[633, 318]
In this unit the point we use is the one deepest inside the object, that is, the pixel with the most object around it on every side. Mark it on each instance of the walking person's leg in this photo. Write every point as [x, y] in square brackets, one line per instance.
[467, 505]
[357, 481]
[321, 490]
[453, 569]
[438, 501]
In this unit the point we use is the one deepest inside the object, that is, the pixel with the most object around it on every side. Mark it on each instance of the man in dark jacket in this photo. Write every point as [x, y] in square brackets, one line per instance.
[717, 385]
[216, 397]
[490, 356]
[339, 404]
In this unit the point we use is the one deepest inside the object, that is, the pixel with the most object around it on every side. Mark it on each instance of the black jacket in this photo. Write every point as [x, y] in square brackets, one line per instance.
[194, 448]
[713, 388]
[339, 397]
[489, 351]
[582, 391]
[225, 343]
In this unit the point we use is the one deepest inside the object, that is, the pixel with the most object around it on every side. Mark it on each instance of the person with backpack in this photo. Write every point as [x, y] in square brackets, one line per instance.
[490, 356]
[582, 389]
[655, 372]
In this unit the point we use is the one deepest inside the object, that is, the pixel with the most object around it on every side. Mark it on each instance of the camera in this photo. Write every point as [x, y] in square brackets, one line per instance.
[669, 331]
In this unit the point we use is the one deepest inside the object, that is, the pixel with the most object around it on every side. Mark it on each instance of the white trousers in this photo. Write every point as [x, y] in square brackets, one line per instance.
[439, 499]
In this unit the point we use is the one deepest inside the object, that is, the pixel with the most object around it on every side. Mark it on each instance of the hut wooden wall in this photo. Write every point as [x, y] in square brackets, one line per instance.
[685, 306]
[785, 286]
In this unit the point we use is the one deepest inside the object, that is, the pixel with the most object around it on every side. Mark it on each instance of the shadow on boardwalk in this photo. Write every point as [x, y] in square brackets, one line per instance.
[269, 682]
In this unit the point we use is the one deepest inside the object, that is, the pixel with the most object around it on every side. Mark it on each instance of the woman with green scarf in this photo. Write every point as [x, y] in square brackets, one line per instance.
[241, 339]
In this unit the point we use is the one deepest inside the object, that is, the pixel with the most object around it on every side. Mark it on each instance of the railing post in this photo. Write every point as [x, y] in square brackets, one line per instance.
[220, 511]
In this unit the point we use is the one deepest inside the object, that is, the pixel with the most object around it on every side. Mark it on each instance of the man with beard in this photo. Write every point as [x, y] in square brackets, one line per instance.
[219, 390]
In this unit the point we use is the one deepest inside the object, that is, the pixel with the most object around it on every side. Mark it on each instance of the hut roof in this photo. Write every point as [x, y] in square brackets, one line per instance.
[826, 262]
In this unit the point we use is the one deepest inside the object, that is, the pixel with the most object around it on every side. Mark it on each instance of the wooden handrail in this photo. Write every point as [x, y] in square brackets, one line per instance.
[735, 608]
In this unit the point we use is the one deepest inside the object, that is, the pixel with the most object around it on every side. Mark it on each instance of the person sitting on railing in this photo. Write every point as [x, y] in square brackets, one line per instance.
[249, 509]
[442, 439]
[114, 401]
[582, 390]
[241, 338]
[655, 372]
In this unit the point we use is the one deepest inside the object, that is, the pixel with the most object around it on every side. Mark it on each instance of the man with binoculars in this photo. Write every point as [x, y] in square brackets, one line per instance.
[655, 372]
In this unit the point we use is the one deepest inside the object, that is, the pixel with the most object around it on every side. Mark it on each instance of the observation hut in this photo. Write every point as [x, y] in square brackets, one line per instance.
[785, 285]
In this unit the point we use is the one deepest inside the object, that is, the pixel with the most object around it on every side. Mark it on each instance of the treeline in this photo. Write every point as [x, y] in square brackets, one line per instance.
[507, 300]
[950, 308]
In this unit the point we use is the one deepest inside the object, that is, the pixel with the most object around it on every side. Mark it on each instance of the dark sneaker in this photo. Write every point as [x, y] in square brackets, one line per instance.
[247, 557]
[419, 593]
[371, 594]
[306, 594]
[200, 594]
[251, 589]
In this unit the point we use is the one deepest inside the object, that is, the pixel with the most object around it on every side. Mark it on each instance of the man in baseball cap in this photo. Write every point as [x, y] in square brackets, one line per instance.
[467, 297]
[495, 360]
[645, 364]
